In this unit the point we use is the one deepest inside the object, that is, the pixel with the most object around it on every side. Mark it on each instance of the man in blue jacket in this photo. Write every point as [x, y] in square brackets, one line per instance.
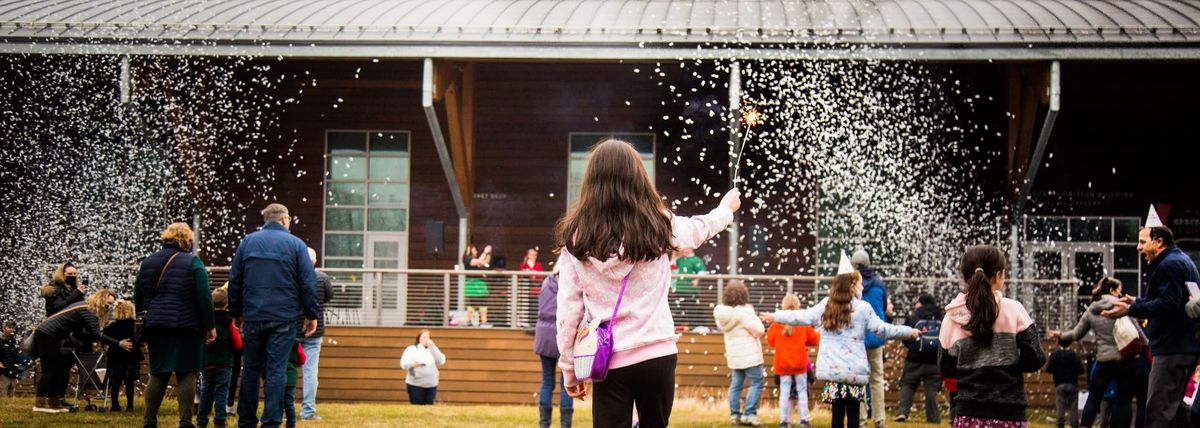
[272, 283]
[1172, 334]
[876, 294]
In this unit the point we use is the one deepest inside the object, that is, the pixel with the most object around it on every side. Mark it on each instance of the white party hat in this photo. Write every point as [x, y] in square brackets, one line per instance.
[1152, 219]
[844, 265]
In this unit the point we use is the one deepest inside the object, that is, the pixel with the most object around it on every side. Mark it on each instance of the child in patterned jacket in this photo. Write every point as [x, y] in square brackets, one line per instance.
[843, 321]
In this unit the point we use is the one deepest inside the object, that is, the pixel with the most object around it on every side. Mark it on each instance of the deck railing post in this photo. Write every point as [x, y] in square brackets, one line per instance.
[512, 302]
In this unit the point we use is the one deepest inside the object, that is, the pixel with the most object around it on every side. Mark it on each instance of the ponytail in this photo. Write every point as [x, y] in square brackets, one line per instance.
[980, 264]
[1105, 286]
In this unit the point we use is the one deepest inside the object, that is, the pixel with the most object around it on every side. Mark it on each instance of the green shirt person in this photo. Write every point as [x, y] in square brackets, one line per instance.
[687, 263]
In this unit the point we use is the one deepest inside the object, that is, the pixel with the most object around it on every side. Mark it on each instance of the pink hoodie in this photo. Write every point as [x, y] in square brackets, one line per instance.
[643, 329]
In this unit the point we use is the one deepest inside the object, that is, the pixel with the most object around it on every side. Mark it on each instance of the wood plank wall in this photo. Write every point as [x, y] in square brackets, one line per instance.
[498, 366]
[495, 366]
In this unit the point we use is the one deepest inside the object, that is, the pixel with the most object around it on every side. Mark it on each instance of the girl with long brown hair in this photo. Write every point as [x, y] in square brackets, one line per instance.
[988, 343]
[615, 242]
[843, 321]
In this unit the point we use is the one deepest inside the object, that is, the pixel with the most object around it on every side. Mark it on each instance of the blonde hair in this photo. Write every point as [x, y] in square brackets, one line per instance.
[123, 311]
[220, 298]
[179, 234]
[98, 304]
[790, 303]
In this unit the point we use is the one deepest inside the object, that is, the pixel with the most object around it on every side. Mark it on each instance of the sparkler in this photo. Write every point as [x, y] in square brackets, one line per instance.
[751, 117]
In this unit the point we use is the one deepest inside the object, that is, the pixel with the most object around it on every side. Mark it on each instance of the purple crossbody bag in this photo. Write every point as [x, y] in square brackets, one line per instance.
[594, 344]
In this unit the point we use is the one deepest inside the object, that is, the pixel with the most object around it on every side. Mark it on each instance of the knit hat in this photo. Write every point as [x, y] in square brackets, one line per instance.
[860, 258]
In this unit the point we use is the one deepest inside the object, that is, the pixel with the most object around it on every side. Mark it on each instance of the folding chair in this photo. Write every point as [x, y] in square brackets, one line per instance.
[93, 370]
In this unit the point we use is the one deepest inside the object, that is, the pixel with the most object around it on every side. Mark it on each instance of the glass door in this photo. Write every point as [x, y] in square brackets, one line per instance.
[389, 291]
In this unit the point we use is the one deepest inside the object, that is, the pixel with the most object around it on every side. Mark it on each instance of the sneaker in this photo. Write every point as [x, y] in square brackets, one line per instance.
[751, 421]
[310, 418]
[900, 418]
[805, 424]
[880, 424]
[735, 420]
[229, 410]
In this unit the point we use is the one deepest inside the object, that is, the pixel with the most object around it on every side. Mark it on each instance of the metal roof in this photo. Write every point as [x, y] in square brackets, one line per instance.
[583, 29]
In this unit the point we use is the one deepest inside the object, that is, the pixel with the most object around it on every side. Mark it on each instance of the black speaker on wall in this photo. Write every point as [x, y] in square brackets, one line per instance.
[435, 238]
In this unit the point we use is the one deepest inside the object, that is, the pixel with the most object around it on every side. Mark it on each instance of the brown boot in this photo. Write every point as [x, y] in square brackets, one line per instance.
[42, 405]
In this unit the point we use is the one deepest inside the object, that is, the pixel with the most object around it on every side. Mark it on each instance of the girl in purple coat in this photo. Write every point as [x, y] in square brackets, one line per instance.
[545, 346]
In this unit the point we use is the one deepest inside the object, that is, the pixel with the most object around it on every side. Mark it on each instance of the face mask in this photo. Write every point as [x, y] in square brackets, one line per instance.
[72, 280]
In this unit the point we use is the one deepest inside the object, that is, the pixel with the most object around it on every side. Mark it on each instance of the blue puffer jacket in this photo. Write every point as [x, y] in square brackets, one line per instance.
[1169, 328]
[875, 294]
[170, 303]
[272, 278]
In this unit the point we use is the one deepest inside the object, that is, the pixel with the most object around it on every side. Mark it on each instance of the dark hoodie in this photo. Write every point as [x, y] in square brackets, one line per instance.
[930, 312]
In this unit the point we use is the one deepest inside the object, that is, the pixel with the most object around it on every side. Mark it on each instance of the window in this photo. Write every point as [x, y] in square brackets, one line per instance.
[366, 193]
[581, 143]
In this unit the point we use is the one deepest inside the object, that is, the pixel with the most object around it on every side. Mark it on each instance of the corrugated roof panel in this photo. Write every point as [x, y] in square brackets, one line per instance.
[580, 19]
[845, 15]
[607, 16]
[606, 22]
[397, 13]
[558, 15]
[921, 15]
[773, 17]
[347, 14]
[943, 16]
[725, 16]
[1174, 15]
[797, 13]
[702, 16]
[654, 15]
[678, 15]
[891, 16]
[1094, 16]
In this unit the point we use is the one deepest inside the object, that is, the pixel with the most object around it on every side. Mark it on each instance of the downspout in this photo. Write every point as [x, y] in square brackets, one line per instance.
[1035, 162]
[735, 107]
[447, 166]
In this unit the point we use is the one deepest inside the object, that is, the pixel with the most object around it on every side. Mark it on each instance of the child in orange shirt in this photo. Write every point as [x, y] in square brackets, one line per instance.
[791, 363]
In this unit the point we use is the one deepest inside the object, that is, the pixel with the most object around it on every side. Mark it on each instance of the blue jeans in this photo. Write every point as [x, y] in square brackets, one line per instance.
[312, 350]
[735, 391]
[266, 346]
[214, 388]
[546, 394]
[289, 405]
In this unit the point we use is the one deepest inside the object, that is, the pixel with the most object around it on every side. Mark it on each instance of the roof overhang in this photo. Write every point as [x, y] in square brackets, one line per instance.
[585, 30]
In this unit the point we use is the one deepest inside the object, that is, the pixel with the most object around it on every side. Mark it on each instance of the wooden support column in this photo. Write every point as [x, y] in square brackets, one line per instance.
[1026, 94]
[455, 91]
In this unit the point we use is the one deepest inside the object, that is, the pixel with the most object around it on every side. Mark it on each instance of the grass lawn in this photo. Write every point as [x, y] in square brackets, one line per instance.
[687, 413]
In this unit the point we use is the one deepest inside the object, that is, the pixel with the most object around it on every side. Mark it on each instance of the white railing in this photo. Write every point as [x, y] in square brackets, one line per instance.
[426, 297]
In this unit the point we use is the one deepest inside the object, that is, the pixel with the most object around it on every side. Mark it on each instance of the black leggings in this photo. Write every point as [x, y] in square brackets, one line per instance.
[126, 375]
[233, 378]
[847, 409]
[56, 367]
[650, 384]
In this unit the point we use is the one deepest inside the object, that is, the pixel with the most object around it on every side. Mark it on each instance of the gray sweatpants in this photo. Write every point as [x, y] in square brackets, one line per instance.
[1066, 402]
[1169, 375]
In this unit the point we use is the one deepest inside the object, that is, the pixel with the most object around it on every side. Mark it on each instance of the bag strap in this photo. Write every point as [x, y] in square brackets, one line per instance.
[72, 309]
[620, 295]
[164, 269]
